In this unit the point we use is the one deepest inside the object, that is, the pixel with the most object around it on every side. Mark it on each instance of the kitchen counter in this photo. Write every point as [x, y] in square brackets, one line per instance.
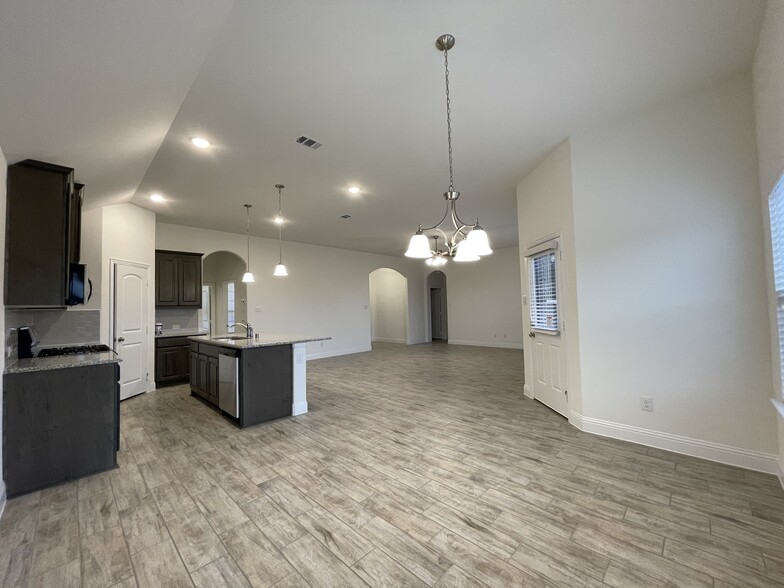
[264, 340]
[39, 364]
[180, 333]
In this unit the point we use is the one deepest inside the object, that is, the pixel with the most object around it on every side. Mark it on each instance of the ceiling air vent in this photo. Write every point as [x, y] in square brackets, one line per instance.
[308, 142]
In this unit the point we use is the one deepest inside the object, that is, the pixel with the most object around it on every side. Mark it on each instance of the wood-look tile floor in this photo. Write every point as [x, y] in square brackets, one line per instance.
[417, 466]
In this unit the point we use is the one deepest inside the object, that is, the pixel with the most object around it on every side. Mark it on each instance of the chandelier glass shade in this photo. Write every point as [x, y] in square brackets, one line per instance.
[462, 241]
[247, 277]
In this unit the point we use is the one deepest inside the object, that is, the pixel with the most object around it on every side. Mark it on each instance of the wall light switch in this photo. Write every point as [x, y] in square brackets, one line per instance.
[258, 309]
[525, 300]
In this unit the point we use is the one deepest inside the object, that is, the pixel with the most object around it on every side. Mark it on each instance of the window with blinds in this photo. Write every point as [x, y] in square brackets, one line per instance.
[776, 207]
[543, 293]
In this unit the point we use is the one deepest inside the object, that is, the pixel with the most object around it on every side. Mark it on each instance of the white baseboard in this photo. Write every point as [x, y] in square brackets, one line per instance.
[528, 392]
[486, 344]
[337, 352]
[385, 340]
[727, 454]
[299, 408]
[2, 498]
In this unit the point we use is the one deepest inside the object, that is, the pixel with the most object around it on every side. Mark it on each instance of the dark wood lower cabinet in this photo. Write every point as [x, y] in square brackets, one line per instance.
[59, 425]
[172, 361]
[265, 380]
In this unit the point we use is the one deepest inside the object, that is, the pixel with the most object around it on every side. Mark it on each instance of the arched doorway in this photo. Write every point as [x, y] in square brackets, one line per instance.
[437, 306]
[224, 294]
[388, 306]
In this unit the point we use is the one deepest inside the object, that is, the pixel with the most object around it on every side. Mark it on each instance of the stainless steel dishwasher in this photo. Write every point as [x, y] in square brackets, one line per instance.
[229, 382]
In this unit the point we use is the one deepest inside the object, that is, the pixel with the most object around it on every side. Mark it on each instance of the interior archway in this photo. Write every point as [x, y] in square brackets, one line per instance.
[224, 294]
[388, 306]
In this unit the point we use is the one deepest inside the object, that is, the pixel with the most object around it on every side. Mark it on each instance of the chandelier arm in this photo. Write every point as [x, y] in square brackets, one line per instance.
[438, 224]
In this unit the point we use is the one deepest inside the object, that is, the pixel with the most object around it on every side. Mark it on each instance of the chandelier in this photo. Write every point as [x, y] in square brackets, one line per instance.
[465, 242]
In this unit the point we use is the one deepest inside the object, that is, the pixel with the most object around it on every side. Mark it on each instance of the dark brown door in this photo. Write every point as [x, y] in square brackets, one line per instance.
[169, 366]
[212, 375]
[190, 281]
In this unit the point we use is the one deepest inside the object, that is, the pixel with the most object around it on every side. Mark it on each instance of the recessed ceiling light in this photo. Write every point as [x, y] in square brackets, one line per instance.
[157, 197]
[354, 189]
[200, 142]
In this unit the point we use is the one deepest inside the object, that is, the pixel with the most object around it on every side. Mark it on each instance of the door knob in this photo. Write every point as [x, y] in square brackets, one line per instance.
[532, 334]
[120, 339]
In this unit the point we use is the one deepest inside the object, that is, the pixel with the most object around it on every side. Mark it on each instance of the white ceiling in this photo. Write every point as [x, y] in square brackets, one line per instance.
[97, 85]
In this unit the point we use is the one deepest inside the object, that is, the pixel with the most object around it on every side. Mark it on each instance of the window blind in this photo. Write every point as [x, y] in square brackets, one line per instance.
[776, 208]
[542, 291]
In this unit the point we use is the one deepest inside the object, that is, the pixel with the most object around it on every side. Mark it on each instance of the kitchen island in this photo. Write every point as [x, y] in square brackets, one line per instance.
[251, 380]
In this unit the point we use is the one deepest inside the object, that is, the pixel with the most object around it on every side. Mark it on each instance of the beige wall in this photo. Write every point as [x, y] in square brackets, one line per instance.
[388, 306]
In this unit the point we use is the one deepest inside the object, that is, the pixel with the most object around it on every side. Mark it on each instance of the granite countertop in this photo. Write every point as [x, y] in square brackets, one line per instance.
[39, 364]
[264, 340]
[180, 333]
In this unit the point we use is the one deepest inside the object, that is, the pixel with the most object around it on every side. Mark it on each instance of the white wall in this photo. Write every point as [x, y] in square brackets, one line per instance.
[483, 300]
[326, 292]
[128, 235]
[3, 173]
[217, 268]
[671, 278]
[388, 306]
[544, 209]
[92, 248]
[769, 115]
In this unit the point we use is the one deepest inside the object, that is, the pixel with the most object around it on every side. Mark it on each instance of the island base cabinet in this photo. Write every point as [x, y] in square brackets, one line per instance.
[266, 378]
[59, 425]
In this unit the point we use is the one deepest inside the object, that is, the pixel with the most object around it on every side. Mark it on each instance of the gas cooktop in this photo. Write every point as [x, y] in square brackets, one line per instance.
[73, 350]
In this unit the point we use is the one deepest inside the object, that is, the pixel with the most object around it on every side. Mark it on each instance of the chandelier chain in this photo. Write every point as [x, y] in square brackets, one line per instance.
[448, 118]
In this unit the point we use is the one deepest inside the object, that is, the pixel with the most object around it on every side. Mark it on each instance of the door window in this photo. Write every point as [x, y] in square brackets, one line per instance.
[230, 314]
[543, 291]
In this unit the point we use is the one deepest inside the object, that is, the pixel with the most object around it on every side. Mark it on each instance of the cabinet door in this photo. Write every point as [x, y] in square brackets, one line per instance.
[168, 364]
[75, 223]
[204, 383]
[194, 371]
[185, 353]
[213, 379]
[36, 256]
[166, 280]
[189, 281]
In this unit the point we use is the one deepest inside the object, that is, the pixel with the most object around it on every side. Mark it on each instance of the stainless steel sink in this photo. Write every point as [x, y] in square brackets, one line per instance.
[231, 338]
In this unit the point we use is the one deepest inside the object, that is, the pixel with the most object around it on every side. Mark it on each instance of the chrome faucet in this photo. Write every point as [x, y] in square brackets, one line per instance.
[245, 324]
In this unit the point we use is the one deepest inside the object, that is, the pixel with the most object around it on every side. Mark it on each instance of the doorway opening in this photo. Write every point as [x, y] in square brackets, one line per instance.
[438, 307]
[388, 306]
[224, 294]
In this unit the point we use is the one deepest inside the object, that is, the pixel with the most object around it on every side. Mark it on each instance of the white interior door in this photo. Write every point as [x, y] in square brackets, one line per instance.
[130, 326]
[546, 329]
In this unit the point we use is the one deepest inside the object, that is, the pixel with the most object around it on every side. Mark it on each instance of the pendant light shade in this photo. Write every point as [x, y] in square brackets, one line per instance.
[247, 276]
[418, 247]
[478, 240]
[280, 269]
[465, 252]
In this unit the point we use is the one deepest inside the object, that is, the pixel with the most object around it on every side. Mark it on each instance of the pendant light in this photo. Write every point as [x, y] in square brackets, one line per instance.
[467, 242]
[247, 276]
[438, 258]
[280, 269]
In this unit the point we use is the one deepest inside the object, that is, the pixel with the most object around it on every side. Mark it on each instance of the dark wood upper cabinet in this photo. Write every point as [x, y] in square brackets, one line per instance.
[43, 225]
[178, 279]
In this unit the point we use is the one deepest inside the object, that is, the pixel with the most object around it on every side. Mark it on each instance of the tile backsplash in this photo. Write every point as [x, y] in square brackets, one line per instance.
[186, 318]
[55, 327]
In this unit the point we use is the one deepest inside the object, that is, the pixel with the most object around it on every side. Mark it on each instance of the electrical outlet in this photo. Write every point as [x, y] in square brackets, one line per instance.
[175, 327]
[646, 403]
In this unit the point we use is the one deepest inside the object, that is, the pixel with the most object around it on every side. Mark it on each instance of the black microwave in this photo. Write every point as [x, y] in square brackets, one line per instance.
[80, 288]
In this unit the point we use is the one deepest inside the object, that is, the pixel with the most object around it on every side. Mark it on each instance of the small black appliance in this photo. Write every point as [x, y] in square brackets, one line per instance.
[27, 338]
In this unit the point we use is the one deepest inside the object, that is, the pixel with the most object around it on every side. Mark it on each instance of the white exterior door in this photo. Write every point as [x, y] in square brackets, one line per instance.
[130, 326]
[546, 328]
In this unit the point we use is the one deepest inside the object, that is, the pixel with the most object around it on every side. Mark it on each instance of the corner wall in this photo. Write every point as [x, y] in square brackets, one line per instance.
[769, 114]
[671, 279]
[388, 306]
[326, 291]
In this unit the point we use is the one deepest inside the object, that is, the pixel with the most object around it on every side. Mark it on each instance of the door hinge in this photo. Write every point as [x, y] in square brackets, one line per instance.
[147, 377]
